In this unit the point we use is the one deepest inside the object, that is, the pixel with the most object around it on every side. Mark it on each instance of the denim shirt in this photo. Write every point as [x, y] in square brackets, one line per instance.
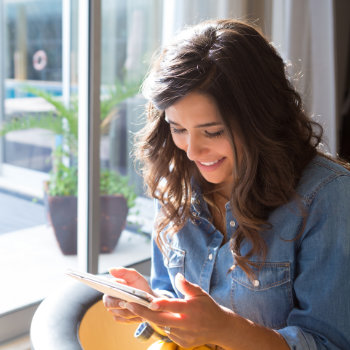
[302, 288]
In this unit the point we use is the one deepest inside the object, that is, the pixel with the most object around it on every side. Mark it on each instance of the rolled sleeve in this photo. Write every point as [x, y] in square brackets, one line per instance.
[297, 339]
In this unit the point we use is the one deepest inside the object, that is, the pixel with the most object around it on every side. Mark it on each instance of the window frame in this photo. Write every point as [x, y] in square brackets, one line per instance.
[17, 322]
[89, 51]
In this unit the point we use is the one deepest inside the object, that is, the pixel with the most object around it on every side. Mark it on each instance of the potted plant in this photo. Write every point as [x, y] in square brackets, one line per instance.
[117, 196]
[60, 192]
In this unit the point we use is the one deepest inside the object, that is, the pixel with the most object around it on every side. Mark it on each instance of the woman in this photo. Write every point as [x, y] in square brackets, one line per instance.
[252, 239]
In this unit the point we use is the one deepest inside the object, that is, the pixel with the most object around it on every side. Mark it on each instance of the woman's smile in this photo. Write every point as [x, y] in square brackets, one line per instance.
[210, 166]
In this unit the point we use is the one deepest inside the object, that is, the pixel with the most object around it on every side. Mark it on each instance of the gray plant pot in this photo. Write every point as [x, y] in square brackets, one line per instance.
[62, 214]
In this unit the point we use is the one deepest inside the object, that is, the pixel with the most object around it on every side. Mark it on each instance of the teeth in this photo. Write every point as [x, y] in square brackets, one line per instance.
[209, 163]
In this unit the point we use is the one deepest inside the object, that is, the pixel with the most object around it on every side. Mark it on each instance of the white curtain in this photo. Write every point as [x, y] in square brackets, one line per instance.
[311, 35]
[179, 13]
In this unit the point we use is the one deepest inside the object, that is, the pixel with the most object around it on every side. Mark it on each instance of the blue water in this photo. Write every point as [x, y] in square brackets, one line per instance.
[19, 91]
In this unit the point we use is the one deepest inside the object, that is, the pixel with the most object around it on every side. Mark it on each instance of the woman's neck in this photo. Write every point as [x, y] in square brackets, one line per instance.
[224, 191]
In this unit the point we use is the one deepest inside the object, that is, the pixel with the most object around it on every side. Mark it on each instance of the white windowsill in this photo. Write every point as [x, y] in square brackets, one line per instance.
[32, 264]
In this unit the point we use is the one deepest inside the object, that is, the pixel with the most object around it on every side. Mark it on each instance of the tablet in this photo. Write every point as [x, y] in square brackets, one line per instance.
[112, 288]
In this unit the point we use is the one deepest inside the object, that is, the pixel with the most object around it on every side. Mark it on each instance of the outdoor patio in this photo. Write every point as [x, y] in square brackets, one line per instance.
[31, 263]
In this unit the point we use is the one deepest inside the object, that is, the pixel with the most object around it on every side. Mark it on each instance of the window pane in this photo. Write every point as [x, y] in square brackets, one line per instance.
[131, 31]
[31, 257]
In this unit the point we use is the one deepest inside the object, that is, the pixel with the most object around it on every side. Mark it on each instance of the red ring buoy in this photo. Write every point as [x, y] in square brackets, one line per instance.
[39, 60]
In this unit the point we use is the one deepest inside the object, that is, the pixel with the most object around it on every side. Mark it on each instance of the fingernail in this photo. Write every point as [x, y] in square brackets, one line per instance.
[104, 300]
[153, 306]
[129, 306]
[113, 268]
[180, 276]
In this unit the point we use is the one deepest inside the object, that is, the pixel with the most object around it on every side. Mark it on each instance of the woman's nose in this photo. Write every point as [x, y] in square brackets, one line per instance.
[194, 148]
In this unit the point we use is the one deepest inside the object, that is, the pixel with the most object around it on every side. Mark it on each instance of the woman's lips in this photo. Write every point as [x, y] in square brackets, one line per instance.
[210, 166]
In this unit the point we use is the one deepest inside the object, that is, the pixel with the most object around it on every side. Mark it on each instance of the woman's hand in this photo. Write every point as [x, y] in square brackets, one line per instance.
[193, 321]
[116, 306]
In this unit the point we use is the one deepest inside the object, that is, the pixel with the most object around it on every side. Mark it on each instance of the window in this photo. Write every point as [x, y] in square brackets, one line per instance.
[41, 60]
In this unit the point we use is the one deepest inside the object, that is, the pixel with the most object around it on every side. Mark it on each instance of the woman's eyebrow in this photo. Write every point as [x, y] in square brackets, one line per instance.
[205, 125]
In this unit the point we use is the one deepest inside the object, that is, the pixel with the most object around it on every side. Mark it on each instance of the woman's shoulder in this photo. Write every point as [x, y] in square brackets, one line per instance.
[323, 174]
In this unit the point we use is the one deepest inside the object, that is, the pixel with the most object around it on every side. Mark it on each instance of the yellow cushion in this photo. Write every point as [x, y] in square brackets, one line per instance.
[99, 331]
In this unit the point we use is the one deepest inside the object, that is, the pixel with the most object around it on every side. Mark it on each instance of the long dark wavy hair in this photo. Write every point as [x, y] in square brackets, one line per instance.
[233, 63]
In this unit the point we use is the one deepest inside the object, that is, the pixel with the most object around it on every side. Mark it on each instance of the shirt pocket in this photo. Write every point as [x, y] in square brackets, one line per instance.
[266, 300]
[175, 263]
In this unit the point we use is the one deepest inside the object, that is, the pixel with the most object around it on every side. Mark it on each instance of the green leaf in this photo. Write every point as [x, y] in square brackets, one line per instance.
[64, 121]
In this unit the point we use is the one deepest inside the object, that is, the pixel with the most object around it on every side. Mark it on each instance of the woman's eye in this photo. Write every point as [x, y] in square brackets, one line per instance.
[207, 133]
[177, 131]
[215, 134]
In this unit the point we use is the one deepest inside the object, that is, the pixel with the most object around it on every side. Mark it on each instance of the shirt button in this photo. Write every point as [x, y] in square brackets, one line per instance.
[232, 223]
[210, 257]
[256, 283]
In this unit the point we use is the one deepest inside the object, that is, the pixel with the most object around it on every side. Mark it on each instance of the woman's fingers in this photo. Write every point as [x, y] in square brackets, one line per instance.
[116, 306]
[120, 314]
[128, 320]
[124, 313]
[111, 303]
[123, 273]
[159, 318]
[130, 277]
[188, 289]
[169, 305]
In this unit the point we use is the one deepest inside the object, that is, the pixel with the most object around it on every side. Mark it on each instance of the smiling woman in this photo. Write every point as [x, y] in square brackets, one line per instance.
[249, 208]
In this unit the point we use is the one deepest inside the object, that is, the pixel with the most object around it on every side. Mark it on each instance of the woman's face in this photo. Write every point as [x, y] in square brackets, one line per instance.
[198, 129]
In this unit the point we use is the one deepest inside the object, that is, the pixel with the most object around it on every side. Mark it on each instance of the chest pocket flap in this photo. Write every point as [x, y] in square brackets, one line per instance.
[267, 298]
[267, 275]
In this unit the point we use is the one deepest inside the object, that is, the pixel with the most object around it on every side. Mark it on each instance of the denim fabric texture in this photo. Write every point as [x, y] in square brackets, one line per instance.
[302, 289]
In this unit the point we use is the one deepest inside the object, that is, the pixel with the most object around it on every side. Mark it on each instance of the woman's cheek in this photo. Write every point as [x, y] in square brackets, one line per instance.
[179, 142]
